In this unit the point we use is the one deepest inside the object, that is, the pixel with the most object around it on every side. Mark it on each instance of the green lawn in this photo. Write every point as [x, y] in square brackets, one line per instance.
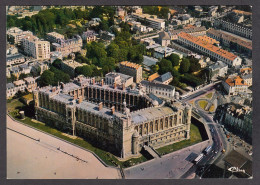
[203, 104]
[195, 137]
[12, 105]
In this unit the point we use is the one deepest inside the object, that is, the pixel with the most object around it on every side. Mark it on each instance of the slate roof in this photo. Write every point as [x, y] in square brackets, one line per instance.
[164, 77]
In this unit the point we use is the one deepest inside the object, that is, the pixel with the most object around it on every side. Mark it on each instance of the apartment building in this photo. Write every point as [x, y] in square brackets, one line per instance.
[35, 47]
[54, 36]
[233, 28]
[68, 46]
[131, 69]
[241, 45]
[152, 20]
[209, 50]
[17, 34]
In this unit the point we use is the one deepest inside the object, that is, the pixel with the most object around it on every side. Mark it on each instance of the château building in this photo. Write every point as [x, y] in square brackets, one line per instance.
[115, 118]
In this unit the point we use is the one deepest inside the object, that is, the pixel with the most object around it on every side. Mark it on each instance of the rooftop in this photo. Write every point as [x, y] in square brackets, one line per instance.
[151, 113]
[146, 83]
[153, 76]
[236, 81]
[14, 56]
[55, 34]
[189, 30]
[72, 63]
[164, 35]
[208, 39]
[149, 17]
[130, 64]
[164, 77]
[206, 45]
[229, 37]
[9, 86]
[29, 79]
[149, 61]
[19, 82]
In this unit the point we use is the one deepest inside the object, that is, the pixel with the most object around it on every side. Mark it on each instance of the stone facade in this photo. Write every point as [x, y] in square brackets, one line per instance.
[131, 69]
[115, 119]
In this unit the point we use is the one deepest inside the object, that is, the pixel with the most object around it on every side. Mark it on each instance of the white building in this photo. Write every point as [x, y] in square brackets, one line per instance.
[152, 20]
[35, 47]
[17, 34]
[158, 89]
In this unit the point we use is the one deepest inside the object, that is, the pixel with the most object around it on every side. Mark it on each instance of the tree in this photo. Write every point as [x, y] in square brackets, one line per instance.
[84, 70]
[138, 59]
[175, 59]
[165, 66]
[154, 68]
[191, 80]
[113, 51]
[47, 78]
[185, 65]
[57, 63]
[194, 65]
[175, 73]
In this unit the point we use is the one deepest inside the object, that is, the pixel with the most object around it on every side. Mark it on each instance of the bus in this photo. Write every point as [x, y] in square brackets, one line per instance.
[207, 150]
[198, 159]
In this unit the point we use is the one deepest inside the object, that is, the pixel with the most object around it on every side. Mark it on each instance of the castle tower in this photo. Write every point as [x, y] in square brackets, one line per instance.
[135, 143]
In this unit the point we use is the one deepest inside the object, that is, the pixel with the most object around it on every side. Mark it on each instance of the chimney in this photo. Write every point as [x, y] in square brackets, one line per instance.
[113, 110]
[114, 85]
[80, 99]
[100, 106]
[93, 81]
[102, 82]
[123, 86]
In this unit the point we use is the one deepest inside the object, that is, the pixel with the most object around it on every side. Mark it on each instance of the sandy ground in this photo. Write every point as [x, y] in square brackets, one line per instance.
[31, 159]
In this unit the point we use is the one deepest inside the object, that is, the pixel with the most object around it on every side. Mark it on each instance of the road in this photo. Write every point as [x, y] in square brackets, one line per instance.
[32, 154]
[214, 153]
[219, 142]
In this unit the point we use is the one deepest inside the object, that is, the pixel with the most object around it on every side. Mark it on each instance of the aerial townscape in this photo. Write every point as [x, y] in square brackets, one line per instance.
[129, 92]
